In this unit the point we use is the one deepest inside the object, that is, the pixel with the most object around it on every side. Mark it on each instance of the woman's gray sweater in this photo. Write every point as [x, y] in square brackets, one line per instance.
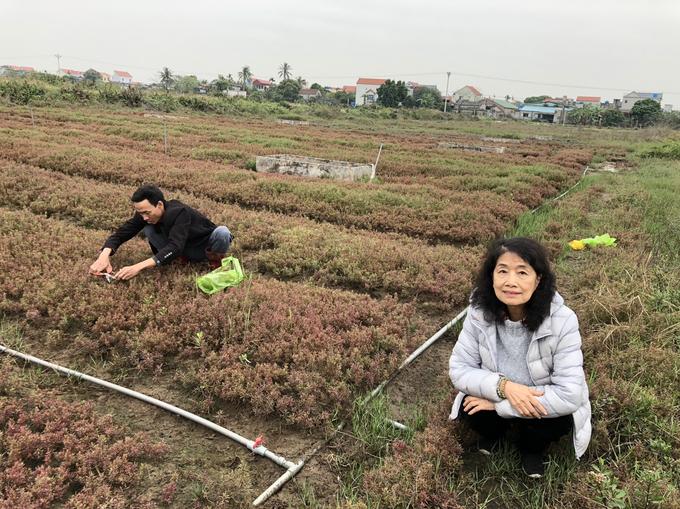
[513, 340]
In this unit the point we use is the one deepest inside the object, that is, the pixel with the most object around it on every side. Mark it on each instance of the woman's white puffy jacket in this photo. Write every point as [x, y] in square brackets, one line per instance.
[555, 364]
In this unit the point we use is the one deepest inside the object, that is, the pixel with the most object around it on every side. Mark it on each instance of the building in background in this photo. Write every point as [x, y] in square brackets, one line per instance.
[261, 85]
[587, 100]
[467, 93]
[367, 91]
[631, 98]
[71, 73]
[122, 78]
[15, 70]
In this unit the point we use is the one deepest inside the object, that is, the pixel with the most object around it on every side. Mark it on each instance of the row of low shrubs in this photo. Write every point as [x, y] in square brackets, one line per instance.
[437, 277]
[425, 211]
[59, 453]
[291, 350]
[667, 150]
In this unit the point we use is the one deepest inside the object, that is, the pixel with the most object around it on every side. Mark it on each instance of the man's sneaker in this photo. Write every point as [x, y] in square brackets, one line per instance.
[487, 446]
[533, 464]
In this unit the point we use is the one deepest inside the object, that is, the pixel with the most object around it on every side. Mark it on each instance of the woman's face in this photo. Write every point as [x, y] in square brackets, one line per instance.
[514, 281]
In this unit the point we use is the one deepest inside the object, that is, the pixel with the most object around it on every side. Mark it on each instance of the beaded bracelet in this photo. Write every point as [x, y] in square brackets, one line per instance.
[500, 388]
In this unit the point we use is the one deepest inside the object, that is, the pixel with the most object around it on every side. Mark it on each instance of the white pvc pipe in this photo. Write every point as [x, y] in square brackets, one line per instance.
[564, 193]
[278, 484]
[431, 341]
[418, 351]
[261, 450]
[398, 425]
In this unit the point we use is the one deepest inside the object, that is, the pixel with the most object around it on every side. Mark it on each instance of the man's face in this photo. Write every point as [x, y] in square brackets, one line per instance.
[149, 213]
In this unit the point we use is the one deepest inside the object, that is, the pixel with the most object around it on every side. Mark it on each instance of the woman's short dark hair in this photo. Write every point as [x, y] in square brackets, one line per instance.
[148, 192]
[538, 306]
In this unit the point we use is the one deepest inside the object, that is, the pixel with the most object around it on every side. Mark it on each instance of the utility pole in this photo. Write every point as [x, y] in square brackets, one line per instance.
[446, 97]
[564, 111]
[58, 62]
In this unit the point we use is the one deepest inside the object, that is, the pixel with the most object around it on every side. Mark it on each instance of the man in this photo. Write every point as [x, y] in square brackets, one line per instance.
[173, 230]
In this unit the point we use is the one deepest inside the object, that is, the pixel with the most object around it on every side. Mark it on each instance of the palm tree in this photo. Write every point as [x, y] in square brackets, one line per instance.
[285, 71]
[167, 78]
[244, 76]
[301, 81]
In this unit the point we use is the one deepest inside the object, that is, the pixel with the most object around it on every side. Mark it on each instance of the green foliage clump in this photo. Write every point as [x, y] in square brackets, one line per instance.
[668, 150]
[22, 91]
[392, 93]
[131, 97]
[161, 102]
[646, 112]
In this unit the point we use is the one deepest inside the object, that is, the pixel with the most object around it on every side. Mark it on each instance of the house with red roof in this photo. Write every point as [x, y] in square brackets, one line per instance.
[366, 92]
[310, 94]
[467, 93]
[587, 100]
[261, 85]
[71, 73]
[15, 70]
[122, 78]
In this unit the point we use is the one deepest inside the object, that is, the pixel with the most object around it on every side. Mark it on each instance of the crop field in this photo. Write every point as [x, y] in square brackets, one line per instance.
[344, 281]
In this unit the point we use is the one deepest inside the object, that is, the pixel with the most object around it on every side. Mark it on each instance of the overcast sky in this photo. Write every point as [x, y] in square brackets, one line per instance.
[596, 47]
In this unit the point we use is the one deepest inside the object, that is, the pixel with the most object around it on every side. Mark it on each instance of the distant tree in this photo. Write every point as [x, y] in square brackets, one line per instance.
[342, 98]
[301, 81]
[287, 90]
[536, 99]
[645, 112]
[316, 86]
[588, 115]
[167, 78]
[217, 86]
[186, 84]
[671, 119]
[285, 71]
[244, 76]
[91, 76]
[425, 97]
[392, 93]
[612, 118]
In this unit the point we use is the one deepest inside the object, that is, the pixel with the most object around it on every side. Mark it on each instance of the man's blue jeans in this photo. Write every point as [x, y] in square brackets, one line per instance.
[218, 242]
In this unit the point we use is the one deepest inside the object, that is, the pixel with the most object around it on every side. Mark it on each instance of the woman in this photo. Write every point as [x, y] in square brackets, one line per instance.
[518, 359]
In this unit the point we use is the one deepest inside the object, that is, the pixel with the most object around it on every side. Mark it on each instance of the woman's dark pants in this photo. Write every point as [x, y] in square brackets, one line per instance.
[535, 435]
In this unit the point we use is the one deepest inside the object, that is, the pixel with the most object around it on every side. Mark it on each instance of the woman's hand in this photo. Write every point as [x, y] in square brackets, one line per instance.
[473, 405]
[525, 399]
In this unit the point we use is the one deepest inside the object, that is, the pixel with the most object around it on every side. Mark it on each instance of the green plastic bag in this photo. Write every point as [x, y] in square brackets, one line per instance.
[600, 240]
[228, 275]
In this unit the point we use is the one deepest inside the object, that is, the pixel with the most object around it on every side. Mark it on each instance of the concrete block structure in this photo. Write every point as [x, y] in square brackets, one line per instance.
[312, 167]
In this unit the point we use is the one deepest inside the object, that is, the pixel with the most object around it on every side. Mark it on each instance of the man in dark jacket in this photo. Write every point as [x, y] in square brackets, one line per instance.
[172, 228]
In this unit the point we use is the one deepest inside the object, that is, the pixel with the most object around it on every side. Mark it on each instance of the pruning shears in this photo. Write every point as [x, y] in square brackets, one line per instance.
[110, 278]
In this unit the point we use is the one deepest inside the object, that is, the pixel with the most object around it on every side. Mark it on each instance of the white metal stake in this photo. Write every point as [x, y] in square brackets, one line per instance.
[375, 166]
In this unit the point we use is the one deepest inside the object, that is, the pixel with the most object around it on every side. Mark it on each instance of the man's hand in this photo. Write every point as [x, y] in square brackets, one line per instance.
[132, 270]
[102, 264]
[524, 399]
[473, 405]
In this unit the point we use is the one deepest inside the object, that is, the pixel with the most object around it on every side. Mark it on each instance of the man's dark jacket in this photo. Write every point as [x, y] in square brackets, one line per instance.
[180, 223]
